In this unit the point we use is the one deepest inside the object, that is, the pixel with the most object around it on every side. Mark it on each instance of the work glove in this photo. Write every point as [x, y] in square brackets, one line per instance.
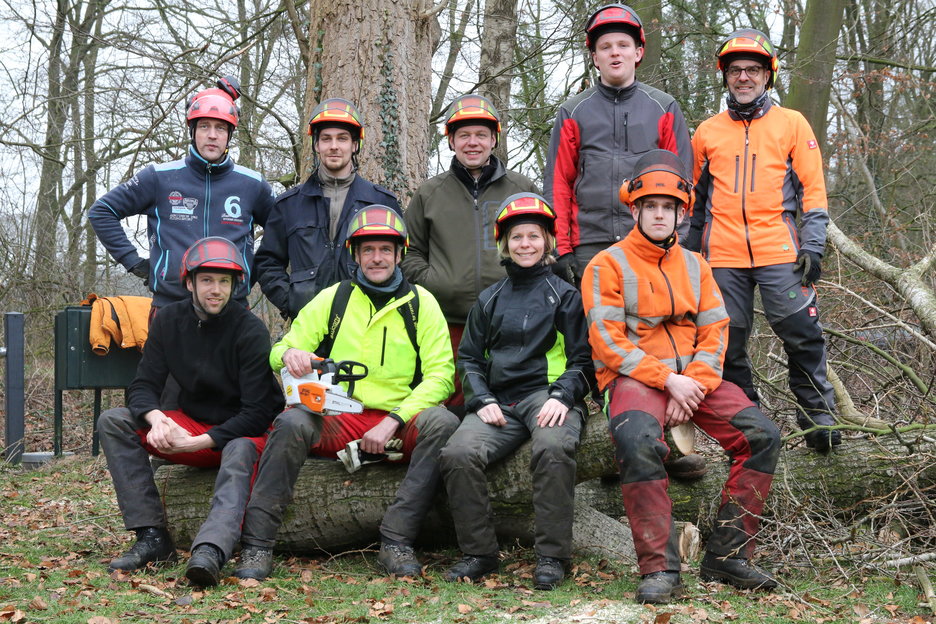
[565, 267]
[810, 263]
[142, 270]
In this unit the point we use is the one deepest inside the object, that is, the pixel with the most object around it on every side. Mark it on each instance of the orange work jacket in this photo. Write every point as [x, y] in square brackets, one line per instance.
[652, 312]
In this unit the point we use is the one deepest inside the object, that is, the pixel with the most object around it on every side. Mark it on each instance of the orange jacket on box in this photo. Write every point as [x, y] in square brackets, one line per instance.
[752, 181]
[652, 312]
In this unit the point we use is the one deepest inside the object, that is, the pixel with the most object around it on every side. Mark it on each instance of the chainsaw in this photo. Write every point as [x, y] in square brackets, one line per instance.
[319, 392]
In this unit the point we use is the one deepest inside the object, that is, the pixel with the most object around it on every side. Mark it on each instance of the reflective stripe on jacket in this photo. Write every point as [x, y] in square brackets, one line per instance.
[752, 180]
[378, 339]
[597, 138]
[652, 312]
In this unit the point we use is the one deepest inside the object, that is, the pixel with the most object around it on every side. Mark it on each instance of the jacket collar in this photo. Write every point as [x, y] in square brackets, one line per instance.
[312, 187]
[644, 247]
[617, 93]
[195, 161]
[493, 170]
[756, 114]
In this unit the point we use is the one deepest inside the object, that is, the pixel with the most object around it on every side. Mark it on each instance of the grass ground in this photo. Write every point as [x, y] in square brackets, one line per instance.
[59, 526]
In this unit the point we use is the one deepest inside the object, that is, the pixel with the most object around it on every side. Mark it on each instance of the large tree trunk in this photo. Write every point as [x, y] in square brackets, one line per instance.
[377, 53]
[497, 61]
[333, 510]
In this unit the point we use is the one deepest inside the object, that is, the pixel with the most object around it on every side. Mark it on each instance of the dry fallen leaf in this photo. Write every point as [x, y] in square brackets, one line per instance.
[463, 609]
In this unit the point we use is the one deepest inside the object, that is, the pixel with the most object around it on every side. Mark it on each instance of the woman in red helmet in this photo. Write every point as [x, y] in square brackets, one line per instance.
[525, 367]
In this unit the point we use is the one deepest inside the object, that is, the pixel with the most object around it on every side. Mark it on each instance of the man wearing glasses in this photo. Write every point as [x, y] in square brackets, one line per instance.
[760, 218]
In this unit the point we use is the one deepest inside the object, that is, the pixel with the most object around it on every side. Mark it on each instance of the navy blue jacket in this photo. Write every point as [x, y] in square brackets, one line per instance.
[297, 258]
[184, 201]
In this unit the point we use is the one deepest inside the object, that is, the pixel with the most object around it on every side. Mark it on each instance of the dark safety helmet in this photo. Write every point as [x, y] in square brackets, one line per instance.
[614, 18]
[524, 208]
[377, 220]
[213, 252]
[340, 113]
[469, 110]
[748, 43]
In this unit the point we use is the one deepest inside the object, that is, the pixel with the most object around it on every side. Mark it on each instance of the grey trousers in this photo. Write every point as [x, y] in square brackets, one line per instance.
[476, 445]
[295, 431]
[138, 498]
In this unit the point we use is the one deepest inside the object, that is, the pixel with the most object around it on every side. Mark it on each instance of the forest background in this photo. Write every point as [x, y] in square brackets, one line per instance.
[93, 90]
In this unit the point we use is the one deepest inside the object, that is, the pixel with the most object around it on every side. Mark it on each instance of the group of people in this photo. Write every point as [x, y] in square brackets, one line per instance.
[537, 301]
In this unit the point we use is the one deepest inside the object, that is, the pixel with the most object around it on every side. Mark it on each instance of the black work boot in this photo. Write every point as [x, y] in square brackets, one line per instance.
[153, 545]
[735, 571]
[472, 568]
[687, 468]
[398, 559]
[256, 562]
[820, 440]
[549, 573]
[659, 587]
[204, 566]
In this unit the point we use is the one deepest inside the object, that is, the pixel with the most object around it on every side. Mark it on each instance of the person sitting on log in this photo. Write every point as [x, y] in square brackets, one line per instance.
[658, 329]
[228, 397]
[398, 331]
[525, 367]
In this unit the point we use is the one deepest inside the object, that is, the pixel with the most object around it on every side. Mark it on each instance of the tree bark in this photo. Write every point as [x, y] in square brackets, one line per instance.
[811, 83]
[334, 511]
[377, 54]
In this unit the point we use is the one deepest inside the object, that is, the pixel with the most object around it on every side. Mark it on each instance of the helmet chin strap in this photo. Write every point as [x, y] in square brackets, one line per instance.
[666, 243]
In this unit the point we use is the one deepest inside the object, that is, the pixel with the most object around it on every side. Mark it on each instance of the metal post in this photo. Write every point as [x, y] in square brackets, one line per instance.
[14, 352]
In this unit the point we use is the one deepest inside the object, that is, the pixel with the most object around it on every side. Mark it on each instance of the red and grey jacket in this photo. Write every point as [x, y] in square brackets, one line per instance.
[753, 178]
[184, 201]
[597, 138]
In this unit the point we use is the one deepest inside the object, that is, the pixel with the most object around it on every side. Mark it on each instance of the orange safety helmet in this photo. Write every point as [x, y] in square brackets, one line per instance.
[658, 172]
[748, 42]
[472, 109]
[337, 112]
[216, 103]
[214, 252]
[524, 208]
[377, 220]
[614, 18]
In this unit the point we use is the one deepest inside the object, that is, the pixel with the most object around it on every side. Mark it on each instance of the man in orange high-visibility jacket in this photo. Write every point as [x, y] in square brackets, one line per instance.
[758, 169]
[658, 330]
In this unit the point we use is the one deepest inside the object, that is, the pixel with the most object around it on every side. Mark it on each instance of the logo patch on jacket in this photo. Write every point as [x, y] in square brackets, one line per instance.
[232, 210]
[813, 311]
[812, 144]
[183, 208]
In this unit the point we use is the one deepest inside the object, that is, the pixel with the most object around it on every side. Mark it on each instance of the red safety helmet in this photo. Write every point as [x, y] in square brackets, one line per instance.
[658, 172]
[213, 252]
[614, 18]
[748, 42]
[216, 103]
[472, 109]
[337, 112]
[377, 220]
[524, 208]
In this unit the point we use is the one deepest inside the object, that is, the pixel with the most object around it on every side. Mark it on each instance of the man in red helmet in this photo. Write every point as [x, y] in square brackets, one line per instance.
[451, 217]
[228, 397]
[760, 220]
[303, 249]
[600, 133]
[658, 328]
[205, 194]
[395, 329]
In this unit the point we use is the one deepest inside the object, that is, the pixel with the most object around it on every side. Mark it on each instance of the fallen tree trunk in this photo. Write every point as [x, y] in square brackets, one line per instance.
[335, 511]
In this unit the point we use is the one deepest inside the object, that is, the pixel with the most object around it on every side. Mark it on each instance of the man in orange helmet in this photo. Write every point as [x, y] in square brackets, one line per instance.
[658, 329]
[760, 220]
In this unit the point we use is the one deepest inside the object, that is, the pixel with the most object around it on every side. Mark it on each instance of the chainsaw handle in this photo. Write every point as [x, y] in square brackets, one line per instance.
[350, 371]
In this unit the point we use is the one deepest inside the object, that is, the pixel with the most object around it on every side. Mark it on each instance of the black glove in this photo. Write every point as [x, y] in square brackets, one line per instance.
[565, 267]
[810, 263]
[142, 270]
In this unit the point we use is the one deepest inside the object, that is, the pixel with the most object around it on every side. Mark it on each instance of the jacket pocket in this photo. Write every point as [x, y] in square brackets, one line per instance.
[303, 286]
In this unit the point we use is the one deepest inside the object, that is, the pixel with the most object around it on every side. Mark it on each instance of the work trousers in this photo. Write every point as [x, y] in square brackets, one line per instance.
[123, 439]
[793, 315]
[636, 414]
[476, 445]
[298, 432]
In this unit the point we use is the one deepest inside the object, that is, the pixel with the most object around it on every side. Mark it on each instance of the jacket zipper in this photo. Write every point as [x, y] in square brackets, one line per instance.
[747, 231]
[479, 236]
[207, 196]
[383, 347]
[669, 288]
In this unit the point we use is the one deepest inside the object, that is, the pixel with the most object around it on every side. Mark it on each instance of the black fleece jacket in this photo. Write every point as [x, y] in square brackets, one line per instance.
[221, 364]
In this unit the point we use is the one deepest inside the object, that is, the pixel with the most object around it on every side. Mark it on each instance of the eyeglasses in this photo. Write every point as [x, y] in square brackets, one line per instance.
[754, 71]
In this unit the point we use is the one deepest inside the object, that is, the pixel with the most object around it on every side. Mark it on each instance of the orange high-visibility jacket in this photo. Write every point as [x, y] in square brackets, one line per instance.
[752, 178]
[653, 311]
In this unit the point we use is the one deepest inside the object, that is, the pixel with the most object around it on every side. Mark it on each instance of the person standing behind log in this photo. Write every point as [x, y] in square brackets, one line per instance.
[658, 329]
[600, 133]
[303, 249]
[758, 170]
[526, 368]
[451, 217]
[228, 397]
[398, 332]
